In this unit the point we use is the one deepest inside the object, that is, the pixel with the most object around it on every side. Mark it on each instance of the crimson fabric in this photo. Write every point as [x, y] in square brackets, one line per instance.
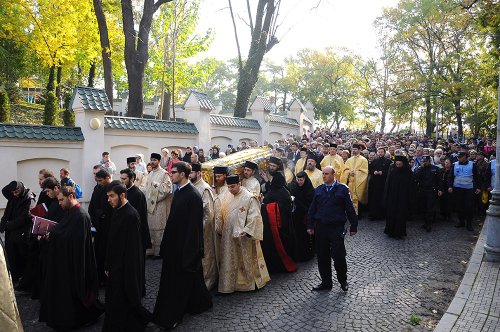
[275, 223]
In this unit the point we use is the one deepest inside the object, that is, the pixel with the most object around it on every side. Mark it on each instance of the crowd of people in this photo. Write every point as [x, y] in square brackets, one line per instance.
[230, 235]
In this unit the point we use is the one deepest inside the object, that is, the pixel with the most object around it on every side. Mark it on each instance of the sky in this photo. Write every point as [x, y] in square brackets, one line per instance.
[334, 23]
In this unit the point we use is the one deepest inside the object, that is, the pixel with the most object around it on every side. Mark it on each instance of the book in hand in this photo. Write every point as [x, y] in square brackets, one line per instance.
[42, 226]
[40, 210]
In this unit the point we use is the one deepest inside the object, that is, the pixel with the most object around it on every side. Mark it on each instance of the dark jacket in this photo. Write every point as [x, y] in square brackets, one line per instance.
[16, 220]
[428, 178]
[332, 208]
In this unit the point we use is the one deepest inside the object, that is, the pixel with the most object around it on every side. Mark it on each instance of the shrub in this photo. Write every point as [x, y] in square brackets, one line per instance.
[4, 106]
[51, 109]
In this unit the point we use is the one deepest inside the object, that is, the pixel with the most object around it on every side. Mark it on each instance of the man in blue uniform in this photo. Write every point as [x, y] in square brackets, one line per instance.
[326, 218]
[462, 182]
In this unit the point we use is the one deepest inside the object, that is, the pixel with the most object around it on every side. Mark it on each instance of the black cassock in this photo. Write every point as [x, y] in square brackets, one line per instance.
[69, 294]
[303, 198]
[376, 187]
[100, 211]
[124, 263]
[137, 199]
[399, 195]
[279, 244]
[182, 288]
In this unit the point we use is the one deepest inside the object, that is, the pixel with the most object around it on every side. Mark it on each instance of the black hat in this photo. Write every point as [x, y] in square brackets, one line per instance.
[196, 167]
[462, 154]
[232, 179]
[333, 145]
[356, 146]
[400, 158]
[220, 170]
[312, 156]
[303, 149]
[275, 160]
[156, 156]
[130, 160]
[426, 157]
[251, 165]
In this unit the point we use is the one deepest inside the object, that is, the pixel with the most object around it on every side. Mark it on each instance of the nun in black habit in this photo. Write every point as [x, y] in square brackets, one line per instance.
[303, 192]
[398, 197]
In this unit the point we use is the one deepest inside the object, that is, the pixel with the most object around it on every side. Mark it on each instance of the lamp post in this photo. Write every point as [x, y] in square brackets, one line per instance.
[492, 245]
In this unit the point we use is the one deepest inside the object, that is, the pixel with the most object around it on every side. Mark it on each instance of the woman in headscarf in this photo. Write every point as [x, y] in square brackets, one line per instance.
[398, 197]
[16, 224]
[302, 192]
[165, 159]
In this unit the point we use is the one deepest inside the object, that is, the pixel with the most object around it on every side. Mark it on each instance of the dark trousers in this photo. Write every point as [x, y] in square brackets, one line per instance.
[464, 202]
[428, 199]
[16, 250]
[330, 245]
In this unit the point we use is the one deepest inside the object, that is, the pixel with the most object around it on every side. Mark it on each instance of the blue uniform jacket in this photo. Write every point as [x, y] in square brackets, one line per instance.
[332, 208]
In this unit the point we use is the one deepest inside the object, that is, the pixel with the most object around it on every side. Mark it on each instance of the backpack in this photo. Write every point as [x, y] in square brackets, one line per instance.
[78, 189]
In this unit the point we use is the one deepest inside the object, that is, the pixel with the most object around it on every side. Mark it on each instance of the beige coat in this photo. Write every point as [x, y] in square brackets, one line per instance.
[9, 315]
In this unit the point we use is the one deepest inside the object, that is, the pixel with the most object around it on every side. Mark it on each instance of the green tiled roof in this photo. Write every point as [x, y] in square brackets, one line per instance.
[268, 106]
[204, 100]
[120, 122]
[283, 120]
[229, 121]
[49, 133]
[91, 98]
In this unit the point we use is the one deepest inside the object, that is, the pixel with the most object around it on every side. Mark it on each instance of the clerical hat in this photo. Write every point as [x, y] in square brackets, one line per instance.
[130, 160]
[304, 149]
[232, 179]
[274, 160]
[220, 170]
[426, 157]
[156, 156]
[400, 158]
[333, 145]
[312, 156]
[356, 146]
[462, 154]
[196, 167]
[251, 165]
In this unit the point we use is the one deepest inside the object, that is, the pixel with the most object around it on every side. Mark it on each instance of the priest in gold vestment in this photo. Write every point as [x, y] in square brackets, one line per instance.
[355, 176]
[220, 174]
[210, 273]
[301, 163]
[158, 191]
[239, 223]
[334, 160]
[314, 174]
[249, 181]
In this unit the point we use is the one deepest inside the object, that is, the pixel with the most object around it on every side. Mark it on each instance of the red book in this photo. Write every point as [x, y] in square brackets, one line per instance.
[42, 226]
[40, 210]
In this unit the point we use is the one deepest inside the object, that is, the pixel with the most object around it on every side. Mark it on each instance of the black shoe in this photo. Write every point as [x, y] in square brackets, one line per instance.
[460, 224]
[321, 287]
[344, 286]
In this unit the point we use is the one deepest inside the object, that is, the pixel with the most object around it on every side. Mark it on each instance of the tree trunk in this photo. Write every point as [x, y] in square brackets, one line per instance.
[105, 50]
[165, 112]
[429, 125]
[382, 122]
[259, 46]
[58, 83]
[91, 74]
[458, 115]
[50, 83]
[136, 51]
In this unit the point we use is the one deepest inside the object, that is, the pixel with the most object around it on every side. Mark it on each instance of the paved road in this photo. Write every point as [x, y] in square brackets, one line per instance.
[390, 281]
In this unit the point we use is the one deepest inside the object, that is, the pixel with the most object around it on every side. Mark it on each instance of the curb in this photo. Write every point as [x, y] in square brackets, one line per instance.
[458, 303]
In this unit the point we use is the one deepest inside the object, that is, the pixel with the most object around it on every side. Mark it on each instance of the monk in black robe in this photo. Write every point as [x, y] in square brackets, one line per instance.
[378, 170]
[279, 234]
[398, 197]
[182, 287]
[137, 199]
[124, 265]
[69, 294]
[100, 212]
[303, 192]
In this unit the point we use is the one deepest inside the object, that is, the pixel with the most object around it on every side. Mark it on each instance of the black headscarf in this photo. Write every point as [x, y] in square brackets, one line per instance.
[303, 194]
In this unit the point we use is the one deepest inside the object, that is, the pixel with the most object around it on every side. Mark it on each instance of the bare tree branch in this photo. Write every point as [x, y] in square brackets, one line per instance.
[240, 62]
[250, 17]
